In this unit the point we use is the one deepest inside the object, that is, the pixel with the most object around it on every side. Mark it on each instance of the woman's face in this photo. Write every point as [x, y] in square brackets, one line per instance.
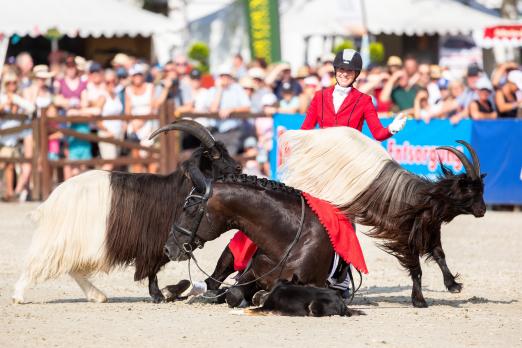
[137, 79]
[344, 77]
[10, 86]
[484, 94]
[71, 72]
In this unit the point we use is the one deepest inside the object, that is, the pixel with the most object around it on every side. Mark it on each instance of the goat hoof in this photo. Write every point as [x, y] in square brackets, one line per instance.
[158, 298]
[455, 287]
[98, 298]
[419, 303]
[17, 300]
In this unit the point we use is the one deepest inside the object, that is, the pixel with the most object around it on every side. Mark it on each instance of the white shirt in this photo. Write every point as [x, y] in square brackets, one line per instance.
[339, 94]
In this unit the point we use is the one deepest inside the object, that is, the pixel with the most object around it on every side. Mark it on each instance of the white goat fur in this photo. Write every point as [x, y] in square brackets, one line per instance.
[70, 234]
[335, 164]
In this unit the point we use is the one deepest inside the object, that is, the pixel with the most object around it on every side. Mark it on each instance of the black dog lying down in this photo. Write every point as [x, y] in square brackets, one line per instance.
[291, 299]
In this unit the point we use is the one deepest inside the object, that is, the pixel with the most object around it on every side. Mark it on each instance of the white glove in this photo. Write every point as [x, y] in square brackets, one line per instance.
[397, 124]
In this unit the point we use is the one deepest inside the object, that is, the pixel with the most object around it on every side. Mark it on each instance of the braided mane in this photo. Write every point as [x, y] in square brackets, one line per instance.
[254, 181]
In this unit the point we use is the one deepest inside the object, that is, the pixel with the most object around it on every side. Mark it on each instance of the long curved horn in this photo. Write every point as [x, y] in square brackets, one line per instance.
[470, 170]
[474, 156]
[191, 127]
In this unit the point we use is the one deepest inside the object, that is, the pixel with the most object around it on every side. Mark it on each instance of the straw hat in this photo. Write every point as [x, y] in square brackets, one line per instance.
[120, 59]
[394, 61]
[41, 71]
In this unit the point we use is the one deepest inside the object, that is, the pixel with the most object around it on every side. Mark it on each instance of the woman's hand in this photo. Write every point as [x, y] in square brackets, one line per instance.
[398, 123]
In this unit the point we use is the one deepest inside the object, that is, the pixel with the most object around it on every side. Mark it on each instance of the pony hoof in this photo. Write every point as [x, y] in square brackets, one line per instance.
[259, 298]
[419, 303]
[455, 288]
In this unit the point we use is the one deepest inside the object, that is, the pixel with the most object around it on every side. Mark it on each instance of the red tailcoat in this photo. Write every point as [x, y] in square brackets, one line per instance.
[356, 108]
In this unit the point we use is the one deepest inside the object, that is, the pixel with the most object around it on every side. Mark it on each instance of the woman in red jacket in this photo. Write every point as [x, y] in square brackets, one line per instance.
[344, 105]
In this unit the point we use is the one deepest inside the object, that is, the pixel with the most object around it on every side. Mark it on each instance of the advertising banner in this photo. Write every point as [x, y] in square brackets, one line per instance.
[263, 29]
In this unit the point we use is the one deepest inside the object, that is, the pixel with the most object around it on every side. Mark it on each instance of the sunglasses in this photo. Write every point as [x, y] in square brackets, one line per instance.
[181, 64]
[110, 82]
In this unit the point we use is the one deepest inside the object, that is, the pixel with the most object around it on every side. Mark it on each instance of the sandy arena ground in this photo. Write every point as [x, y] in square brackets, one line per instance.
[488, 313]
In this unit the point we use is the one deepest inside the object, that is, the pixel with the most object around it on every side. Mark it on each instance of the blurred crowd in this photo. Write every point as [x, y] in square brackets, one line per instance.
[72, 86]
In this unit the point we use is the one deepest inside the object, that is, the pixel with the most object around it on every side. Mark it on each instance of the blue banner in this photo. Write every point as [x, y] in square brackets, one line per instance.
[498, 144]
[499, 147]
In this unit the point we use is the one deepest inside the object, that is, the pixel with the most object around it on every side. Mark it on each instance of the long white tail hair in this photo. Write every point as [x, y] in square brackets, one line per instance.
[335, 164]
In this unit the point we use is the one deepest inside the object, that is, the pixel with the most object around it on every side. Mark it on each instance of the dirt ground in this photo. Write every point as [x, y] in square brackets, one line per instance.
[487, 313]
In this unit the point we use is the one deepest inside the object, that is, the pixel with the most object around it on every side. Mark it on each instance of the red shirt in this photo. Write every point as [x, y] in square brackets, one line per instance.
[356, 108]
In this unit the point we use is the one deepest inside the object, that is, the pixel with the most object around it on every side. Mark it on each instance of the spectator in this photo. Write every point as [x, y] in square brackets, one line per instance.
[139, 101]
[411, 68]
[311, 85]
[289, 104]
[469, 94]
[423, 74]
[399, 91]
[285, 76]
[39, 93]
[506, 97]
[433, 86]
[239, 69]
[228, 97]
[421, 106]
[175, 87]
[394, 64]
[482, 108]
[70, 90]
[11, 102]
[112, 106]
[93, 97]
[260, 89]
[24, 63]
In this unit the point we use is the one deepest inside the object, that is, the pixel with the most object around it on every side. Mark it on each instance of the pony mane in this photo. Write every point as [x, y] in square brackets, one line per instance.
[334, 164]
[254, 181]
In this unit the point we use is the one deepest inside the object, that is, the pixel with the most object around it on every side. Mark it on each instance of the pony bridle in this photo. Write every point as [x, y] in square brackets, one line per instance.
[193, 199]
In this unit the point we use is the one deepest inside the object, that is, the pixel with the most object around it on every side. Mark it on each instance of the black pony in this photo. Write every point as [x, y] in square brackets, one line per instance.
[290, 238]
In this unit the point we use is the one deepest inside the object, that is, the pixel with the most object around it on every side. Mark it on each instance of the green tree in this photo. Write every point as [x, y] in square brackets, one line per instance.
[344, 45]
[376, 52]
[200, 52]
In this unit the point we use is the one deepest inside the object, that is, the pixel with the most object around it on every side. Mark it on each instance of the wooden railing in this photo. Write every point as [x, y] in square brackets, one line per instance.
[166, 155]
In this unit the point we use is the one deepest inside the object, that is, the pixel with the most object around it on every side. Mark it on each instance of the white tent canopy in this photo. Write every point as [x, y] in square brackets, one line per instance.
[82, 18]
[418, 17]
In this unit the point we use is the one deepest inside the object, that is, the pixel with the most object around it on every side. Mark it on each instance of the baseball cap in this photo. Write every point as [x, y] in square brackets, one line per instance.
[443, 83]
[95, 67]
[473, 70]
[286, 87]
[195, 74]
[484, 83]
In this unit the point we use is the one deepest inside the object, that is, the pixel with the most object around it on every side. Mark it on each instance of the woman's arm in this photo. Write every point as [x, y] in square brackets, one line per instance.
[376, 128]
